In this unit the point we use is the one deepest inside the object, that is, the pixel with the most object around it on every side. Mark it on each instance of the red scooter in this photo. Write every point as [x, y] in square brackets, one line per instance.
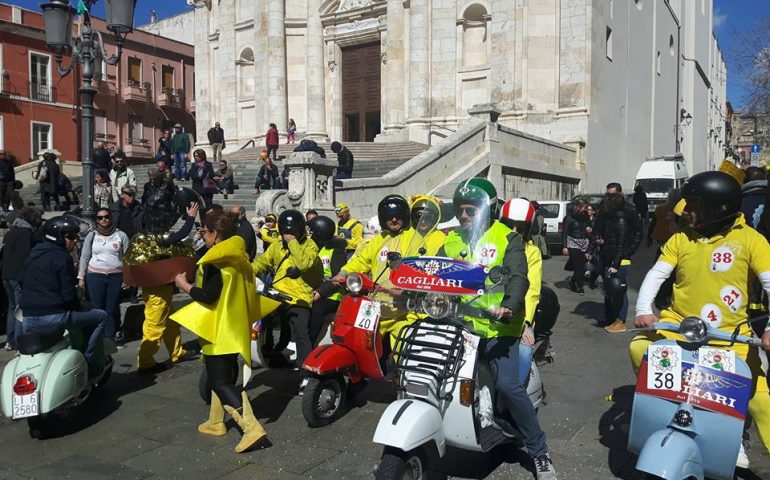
[339, 369]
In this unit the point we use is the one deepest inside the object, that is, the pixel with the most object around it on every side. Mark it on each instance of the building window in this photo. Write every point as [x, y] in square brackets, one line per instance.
[475, 36]
[16, 13]
[41, 137]
[612, 8]
[657, 63]
[246, 73]
[100, 125]
[135, 131]
[167, 79]
[608, 47]
[40, 77]
[671, 50]
[134, 71]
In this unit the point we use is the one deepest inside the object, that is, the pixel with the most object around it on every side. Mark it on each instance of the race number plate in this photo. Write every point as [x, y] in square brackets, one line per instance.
[368, 315]
[24, 405]
[664, 370]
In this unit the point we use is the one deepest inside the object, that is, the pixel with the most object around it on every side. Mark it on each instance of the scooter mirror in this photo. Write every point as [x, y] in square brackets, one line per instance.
[499, 274]
[394, 260]
[693, 329]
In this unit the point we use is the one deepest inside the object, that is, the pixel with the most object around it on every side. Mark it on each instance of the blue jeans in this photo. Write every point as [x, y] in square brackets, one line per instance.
[615, 308]
[13, 291]
[525, 361]
[94, 320]
[180, 165]
[104, 290]
[503, 356]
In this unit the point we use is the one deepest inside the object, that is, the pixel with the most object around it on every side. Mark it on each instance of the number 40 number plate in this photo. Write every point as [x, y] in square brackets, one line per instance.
[664, 367]
[24, 405]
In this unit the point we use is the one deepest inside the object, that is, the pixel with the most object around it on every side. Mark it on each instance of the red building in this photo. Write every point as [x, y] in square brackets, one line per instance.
[138, 98]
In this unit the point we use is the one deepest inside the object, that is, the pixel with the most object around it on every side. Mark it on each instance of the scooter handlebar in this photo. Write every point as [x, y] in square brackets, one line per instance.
[712, 334]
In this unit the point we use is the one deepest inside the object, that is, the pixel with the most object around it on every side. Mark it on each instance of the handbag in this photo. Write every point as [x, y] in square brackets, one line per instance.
[209, 186]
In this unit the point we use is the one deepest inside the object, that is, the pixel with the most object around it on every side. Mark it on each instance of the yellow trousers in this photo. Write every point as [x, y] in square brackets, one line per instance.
[157, 326]
[759, 403]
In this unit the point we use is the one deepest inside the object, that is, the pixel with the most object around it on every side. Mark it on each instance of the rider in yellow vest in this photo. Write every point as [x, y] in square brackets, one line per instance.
[349, 228]
[372, 258]
[712, 260]
[326, 298]
[498, 316]
[425, 215]
[297, 250]
[224, 298]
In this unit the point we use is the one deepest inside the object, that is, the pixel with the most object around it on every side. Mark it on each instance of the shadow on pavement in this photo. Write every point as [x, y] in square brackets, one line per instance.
[283, 388]
[613, 433]
[466, 464]
[590, 310]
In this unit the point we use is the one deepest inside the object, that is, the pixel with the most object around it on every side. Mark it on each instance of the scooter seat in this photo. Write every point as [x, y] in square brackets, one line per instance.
[40, 341]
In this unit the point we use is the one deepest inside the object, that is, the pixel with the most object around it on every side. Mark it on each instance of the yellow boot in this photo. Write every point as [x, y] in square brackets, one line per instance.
[215, 425]
[252, 429]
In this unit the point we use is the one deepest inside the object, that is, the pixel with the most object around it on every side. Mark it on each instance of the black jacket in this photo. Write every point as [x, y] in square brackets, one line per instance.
[16, 247]
[128, 219]
[621, 237]
[7, 173]
[216, 135]
[197, 180]
[158, 196]
[575, 227]
[345, 161]
[48, 281]
[102, 160]
[247, 233]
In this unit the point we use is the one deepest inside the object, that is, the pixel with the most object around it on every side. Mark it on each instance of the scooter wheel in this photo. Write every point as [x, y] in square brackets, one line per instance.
[323, 400]
[39, 427]
[398, 464]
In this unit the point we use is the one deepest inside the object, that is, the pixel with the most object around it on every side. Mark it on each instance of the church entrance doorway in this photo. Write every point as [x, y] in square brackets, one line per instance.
[361, 92]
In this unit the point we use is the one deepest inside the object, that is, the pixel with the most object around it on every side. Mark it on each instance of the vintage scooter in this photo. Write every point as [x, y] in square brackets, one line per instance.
[690, 403]
[50, 376]
[445, 393]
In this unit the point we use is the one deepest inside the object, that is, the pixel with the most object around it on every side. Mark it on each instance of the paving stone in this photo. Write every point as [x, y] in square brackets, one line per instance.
[79, 466]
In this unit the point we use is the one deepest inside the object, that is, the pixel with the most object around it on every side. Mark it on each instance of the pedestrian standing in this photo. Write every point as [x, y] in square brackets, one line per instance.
[640, 203]
[344, 161]
[127, 212]
[102, 159]
[246, 231]
[17, 244]
[47, 176]
[101, 269]
[272, 141]
[575, 242]
[180, 150]
[223, 295]
[105, 194]
[217, 141]
[291, 129]
[202, 175]
[121, 175]
[7, 178]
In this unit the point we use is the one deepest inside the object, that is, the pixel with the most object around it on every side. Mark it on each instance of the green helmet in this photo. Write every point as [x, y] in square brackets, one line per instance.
[476, 191]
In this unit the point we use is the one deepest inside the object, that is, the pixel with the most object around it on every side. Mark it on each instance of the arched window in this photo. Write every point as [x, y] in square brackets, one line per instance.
[475, 39]
[246, 73]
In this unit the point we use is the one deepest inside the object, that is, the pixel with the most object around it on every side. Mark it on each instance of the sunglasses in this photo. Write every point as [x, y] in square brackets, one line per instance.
[103, 217]
[469, 211]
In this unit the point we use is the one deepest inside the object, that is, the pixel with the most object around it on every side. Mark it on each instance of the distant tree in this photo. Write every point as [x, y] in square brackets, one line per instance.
[751, 56]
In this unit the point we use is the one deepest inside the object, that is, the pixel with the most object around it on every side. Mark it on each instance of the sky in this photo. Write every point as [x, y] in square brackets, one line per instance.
[729, 16]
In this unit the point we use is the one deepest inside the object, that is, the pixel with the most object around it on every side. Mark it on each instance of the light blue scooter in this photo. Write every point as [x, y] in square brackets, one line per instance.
[690, 404]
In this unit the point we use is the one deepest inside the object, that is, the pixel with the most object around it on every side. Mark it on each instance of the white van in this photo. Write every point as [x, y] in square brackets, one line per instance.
[660, 175]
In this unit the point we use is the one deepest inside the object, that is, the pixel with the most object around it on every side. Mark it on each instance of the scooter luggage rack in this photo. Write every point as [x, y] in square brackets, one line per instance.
[439, 367]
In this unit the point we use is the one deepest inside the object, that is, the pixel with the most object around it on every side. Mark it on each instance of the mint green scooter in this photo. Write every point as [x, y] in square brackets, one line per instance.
[50, 376]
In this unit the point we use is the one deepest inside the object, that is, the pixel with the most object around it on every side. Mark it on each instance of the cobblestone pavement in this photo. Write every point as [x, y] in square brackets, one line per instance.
[142, 427]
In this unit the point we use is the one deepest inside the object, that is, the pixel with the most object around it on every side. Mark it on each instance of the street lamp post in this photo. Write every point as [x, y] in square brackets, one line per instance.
[87, 48]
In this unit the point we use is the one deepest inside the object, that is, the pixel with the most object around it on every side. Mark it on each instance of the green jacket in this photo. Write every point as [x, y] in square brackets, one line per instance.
[180, 143]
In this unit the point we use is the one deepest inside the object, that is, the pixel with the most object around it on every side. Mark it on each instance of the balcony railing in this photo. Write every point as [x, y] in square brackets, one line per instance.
[136, 91]
[42, 93]
[170, 97]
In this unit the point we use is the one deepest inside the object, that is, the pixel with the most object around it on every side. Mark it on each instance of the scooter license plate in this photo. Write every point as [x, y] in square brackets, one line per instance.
[24, 405]
[368, 315]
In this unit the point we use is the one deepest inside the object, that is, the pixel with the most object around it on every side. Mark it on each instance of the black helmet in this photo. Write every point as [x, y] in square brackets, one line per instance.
[292, 222]
[321, 229]
[715, 198]
[59, 227]
[393, 206]
[615, 287]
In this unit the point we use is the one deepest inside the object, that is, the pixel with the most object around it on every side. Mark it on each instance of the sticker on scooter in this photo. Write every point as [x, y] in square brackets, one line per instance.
[367, 316]
[470, 347]
[665, 367]
[717, 358]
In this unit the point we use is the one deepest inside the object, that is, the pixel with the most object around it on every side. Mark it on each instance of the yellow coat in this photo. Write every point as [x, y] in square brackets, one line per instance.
[225, 326]
[304, 256]
[535, 277]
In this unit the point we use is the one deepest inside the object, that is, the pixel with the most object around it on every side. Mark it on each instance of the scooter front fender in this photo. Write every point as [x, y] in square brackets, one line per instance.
[407, 424]
[328, 359]
[672, 455]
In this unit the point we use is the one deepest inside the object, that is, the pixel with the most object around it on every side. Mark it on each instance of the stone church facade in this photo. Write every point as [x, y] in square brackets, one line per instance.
[606, 74]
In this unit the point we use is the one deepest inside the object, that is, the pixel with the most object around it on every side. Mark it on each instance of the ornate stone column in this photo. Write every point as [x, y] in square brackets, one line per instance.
[395, 116]
[311, 185]
[260, 81]
[276, 65]
[316, 100]
[419, 88]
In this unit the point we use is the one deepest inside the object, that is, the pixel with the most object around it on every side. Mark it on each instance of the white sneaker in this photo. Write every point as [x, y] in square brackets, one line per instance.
[743, 459]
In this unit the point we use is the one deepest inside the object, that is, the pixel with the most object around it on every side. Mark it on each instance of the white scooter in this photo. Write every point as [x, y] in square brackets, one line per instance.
[445, 393]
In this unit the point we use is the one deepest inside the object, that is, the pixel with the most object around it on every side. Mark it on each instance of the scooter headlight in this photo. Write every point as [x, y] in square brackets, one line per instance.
[435, 305]
[354, 283]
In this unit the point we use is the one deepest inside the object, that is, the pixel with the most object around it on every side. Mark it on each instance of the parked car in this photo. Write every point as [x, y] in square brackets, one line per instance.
[553, 212]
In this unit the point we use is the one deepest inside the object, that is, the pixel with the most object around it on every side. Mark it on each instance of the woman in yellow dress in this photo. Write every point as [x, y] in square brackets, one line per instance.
[224, 300]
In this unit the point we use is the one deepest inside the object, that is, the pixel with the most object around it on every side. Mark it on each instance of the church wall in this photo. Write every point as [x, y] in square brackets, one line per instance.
[296, 78]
